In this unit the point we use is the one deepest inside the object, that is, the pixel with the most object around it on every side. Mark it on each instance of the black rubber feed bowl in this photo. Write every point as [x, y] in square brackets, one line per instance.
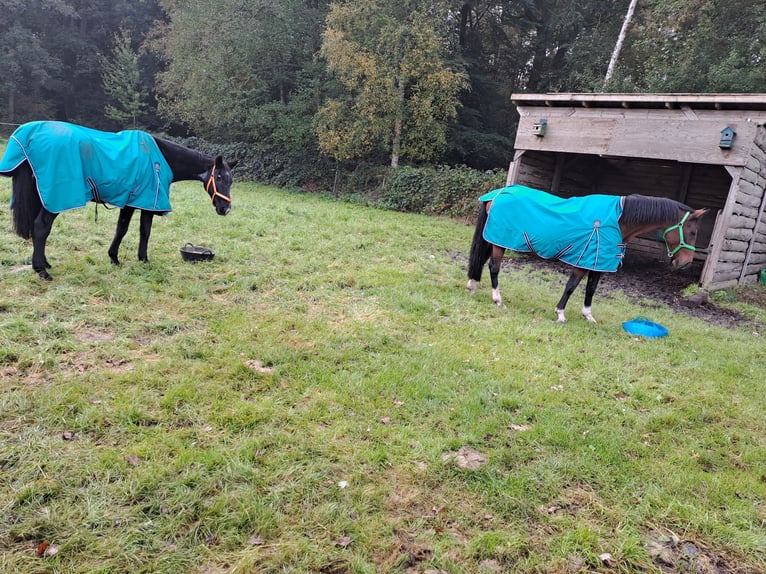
[195, 253]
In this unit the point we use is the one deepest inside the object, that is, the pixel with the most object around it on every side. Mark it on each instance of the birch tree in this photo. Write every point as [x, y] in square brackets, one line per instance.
[398, 93]
[620, 40]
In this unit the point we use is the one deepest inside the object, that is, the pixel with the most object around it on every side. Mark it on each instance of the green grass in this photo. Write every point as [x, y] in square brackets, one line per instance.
[179, 456]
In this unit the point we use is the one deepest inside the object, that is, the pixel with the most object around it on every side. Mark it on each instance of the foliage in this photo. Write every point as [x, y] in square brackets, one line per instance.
[228, 61]
[295, 405]
[400, 92]
[451, 191]
[52, 65]
[312, 88]
[705, 46]
[121, 78]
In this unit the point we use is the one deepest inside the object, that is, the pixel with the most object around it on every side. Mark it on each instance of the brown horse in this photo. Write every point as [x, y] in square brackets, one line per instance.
[640, 214]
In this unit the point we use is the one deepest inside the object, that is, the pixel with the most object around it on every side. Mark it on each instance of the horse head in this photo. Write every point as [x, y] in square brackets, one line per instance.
[681, 238]
[218, 185]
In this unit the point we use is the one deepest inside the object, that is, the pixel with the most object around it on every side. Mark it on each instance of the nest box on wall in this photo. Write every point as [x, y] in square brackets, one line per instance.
[727, 137]
[539, 128]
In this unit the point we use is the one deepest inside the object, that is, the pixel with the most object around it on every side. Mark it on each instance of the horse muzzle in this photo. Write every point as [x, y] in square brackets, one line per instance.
[679, 263]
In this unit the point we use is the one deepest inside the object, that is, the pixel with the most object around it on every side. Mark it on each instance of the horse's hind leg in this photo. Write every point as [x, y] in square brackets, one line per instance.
[145, 231]
[123, 222]
[42, 229]
[495, 261]
[574, 281]
[590, 289]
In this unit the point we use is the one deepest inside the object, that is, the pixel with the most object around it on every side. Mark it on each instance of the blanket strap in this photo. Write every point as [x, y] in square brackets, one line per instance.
[96, 197]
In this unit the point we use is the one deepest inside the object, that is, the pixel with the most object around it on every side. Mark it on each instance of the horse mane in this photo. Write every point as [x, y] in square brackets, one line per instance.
[186, 163]
[640, 209]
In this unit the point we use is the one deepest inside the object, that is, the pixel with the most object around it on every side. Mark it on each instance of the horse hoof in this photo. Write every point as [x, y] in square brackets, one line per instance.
[45, 276]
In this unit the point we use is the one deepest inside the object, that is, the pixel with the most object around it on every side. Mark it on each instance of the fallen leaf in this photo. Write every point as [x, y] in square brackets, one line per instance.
[42, 547]
[343, 542]
[343, 484]
[255, 541]
[607, 559]
[259, 367]
[132, 459]
[67, 435]
[519, 428]
[51, 550]
[385, 420]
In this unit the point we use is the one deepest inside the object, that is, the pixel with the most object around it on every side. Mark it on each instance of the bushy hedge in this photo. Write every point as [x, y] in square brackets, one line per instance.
[442, 190]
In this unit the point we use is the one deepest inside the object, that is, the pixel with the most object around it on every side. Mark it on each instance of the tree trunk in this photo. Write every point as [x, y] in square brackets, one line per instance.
[396, 144]
[620, 40]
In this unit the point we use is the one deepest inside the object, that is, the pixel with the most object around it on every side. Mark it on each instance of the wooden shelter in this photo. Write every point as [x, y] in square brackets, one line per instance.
[706, 150]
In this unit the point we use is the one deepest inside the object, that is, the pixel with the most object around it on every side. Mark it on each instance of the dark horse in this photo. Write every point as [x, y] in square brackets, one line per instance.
[633, 216]
[38, 159]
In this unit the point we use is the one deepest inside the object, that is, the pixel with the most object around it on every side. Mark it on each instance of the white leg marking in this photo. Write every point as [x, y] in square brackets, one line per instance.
[496, 297]
[561, 318]
[588, 315]
[471, 286]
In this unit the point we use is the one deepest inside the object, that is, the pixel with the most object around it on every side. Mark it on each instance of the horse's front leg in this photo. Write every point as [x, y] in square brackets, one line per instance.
[495, 261]
[41, 230]
[590, 289]
[123, 222]
[574, 281]
[146, 230]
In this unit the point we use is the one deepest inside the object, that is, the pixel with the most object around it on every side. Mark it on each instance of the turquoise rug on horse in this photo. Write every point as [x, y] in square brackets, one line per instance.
[581, 231]
[74, 165]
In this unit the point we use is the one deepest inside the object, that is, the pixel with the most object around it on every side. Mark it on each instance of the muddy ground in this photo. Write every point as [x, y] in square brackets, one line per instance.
[652, 283]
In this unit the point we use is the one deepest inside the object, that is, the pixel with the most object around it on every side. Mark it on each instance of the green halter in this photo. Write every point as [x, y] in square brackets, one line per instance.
[681, 242]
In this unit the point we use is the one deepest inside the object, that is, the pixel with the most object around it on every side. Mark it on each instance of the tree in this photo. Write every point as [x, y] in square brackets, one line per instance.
[29, 64]
[701, 46]
[620, 40]
[120, 75]
[226, 59]
[398, 93]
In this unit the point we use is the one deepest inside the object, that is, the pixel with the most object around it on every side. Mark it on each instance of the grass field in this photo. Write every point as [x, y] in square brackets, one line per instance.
[326, 397]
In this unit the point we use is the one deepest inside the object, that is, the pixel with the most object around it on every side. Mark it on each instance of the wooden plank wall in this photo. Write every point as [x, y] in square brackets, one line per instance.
[743, 248]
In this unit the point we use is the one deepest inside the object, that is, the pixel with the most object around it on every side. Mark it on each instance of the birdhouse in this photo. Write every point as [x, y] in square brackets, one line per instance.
[539, 128]
[727, 137]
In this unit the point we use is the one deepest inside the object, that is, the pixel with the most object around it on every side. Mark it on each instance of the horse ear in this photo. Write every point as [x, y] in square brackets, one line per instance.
[698, 213]
[218, 162]
[233, 164]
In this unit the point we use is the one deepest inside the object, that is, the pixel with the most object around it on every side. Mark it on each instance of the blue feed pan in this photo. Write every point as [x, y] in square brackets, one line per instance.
[643, 327]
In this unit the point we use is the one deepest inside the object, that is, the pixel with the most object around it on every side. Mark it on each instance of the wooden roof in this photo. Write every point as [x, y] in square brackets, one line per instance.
[639, 101]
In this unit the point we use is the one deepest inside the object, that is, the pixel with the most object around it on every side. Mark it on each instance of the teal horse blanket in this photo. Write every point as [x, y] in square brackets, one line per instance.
[581, 231]
[74, 165]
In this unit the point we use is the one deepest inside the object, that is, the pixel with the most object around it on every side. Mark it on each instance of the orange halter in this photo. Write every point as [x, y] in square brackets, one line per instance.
[211, 181]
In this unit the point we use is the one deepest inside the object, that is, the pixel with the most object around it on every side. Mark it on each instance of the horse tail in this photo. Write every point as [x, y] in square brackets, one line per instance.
[25, 202]
[480, 248]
